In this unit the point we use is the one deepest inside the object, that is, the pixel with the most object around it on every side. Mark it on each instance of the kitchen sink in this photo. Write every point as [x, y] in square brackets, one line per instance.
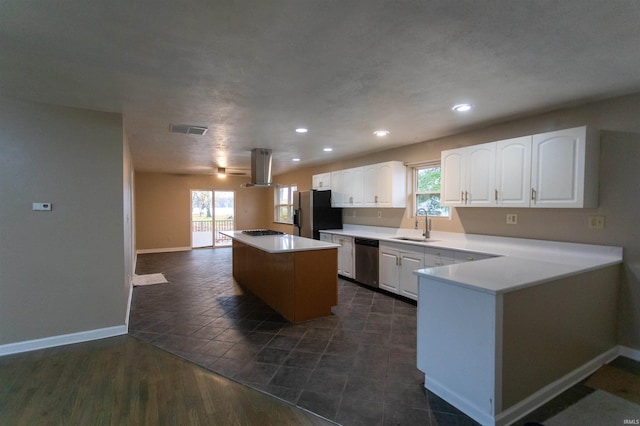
[415, 239]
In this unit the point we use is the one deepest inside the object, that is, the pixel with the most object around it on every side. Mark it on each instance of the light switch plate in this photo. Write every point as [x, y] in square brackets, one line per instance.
[42, 207]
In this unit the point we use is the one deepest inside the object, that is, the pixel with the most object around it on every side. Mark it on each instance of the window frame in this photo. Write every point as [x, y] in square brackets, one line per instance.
[414, 185]
[277, 204]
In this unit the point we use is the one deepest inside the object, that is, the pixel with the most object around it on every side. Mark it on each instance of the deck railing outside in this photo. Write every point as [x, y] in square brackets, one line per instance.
[220, 225]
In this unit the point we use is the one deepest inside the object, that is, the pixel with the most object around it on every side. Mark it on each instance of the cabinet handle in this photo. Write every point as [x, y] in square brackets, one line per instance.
[533, 194]
[496, 195]
[462, 196]
[466, 196]
[376, 199]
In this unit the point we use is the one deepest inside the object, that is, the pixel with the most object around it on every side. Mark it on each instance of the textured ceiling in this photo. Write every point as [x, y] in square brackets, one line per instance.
[253, 71]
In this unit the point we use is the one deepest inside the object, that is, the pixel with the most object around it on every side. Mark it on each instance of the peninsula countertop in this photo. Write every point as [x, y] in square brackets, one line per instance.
[518, 262]
[280, 243]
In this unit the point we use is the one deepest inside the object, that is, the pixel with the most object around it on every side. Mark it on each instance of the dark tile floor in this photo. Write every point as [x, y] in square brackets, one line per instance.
[356, 367]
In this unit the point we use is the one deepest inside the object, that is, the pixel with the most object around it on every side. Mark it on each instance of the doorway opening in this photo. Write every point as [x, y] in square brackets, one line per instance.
[211, 213]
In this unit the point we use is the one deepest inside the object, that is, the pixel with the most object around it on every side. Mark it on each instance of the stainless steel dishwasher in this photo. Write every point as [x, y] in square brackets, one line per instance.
[367, 261]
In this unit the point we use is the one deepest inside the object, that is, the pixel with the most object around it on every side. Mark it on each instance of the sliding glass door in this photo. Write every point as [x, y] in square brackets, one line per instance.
[211, 212]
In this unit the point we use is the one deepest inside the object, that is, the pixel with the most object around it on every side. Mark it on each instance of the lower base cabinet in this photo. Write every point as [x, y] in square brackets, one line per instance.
[346, 263]
[397, 264]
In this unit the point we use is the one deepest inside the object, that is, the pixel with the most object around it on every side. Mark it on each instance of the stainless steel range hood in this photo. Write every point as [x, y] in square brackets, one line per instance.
[260, 169]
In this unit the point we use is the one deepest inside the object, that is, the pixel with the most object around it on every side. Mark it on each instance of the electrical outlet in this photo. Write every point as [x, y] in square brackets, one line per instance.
[596, 222]
[512, 219]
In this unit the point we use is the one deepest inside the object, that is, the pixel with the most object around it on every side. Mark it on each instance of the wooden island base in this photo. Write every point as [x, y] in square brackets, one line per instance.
[300, 285]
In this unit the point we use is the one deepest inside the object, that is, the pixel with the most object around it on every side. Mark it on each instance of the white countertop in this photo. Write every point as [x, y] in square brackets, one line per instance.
[280, 243]
[519, 263]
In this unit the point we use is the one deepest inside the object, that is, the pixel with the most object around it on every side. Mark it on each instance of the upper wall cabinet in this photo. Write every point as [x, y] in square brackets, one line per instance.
[385, 185]
[377, 185]
[513, 172]
[468, 175]
[549, 170]
[564, 168]
[321, 182]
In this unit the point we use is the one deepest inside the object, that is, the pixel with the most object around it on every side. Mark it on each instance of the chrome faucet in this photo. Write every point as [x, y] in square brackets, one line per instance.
[427, 223]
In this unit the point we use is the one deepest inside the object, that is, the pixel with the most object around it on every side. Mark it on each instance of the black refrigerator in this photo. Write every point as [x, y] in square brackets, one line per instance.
[312, 212]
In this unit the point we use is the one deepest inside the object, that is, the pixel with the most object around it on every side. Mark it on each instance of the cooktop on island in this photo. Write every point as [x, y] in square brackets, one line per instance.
[260, 232]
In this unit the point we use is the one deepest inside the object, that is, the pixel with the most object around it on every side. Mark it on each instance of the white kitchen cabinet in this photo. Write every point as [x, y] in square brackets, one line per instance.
[434, 256]
[397, 263]
[389, 262]
[467, 256]
[469, 176]
[352, 187]
[346, 264]
[452, 164]
[337, 189]
[564, 169]
[326, 237]
[385, 185]
[321, 182]
[513, 172]
[549, 170]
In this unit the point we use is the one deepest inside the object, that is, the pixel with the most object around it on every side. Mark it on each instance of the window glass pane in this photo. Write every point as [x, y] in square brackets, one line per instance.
[428, 179]
[284, 213]
[283, 195]
[431, 203]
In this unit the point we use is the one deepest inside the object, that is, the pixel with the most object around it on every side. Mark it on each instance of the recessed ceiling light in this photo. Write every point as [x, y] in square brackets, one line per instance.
[302, 130]
[295, 159]
[381, 133]
[328, 149]
[462, 107]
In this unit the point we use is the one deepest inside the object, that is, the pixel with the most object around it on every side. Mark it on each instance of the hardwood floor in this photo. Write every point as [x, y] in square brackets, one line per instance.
[123, 381]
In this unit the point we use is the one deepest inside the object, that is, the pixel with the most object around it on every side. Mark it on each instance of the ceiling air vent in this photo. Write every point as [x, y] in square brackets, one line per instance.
[188, 129]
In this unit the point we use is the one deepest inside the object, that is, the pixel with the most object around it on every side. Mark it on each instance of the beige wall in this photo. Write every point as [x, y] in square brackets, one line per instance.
[163, 207]
[617, 119]
[61, 271]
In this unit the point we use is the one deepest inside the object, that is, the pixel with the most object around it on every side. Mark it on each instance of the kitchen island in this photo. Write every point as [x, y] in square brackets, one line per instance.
[294, 275]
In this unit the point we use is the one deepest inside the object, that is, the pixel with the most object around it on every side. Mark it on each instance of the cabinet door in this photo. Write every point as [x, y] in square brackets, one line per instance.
[337, 240]
[348, 261]
[337, 189]
[453, 177]
[370, 185]
[389, 270]
[480, 176]
[321, 182]
[557, 168]
[513, 172]
[410, 262]
[357, 188]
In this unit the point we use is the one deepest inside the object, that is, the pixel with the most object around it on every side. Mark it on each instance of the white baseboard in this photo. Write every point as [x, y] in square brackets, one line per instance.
[459, 402]
[628, 352]
[64, 339]
[555, 388]
[163, 250]
[535, 400]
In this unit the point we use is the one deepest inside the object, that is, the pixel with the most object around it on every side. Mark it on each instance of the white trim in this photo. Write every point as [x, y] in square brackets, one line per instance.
[554, 389]
[162, 250]
[64, 339]
[536, 399]
[628, 352]
[126, 318]
[459, 402]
